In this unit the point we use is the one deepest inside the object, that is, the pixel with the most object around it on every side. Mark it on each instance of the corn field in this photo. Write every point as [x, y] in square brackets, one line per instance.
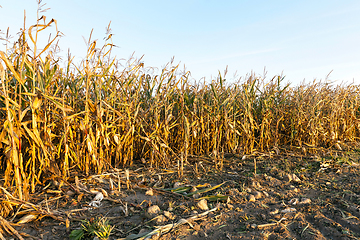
[98, 115]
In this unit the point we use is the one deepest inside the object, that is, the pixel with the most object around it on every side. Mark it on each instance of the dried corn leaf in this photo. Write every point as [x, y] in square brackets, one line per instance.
[27, 218]
[204, 190]
[214, 198]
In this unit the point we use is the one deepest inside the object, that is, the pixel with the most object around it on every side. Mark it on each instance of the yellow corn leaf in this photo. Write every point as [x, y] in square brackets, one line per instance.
[35, 136]
[36, 103]
[23, 113]
[116, 139]
[74, 115]
[11, 67]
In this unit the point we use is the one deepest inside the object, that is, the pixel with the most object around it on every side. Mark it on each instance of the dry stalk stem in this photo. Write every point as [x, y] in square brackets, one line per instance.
[100, 115]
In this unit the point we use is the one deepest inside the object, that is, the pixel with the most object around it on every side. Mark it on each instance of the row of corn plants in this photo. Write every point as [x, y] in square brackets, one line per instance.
[99, 114]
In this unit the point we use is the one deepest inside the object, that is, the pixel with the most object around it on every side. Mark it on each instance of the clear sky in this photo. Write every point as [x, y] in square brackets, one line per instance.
[304, 39]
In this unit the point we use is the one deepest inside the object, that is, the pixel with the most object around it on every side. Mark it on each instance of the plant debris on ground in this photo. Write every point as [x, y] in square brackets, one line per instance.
[288, 197]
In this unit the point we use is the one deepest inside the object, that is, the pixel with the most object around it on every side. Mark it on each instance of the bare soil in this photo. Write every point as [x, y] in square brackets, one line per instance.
[323, 202]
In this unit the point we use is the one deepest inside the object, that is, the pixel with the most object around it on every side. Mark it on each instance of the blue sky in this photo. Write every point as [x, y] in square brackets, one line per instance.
[301, 39]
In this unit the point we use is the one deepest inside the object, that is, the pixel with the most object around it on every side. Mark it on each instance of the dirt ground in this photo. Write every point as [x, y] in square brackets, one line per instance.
[269, 197]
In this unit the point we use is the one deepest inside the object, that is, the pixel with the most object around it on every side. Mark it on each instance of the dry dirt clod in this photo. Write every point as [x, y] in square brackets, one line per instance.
[305, 201]
[294, 201]
[153, 210]
[169, 215]
[143, 231]
[257, 194]
[295, 178]
[303, 177]
[149, 192]
[276, 211]
[229, 206]
[161, 219]
[70, 193]
[288, 178]
[288, 210]
[256, 184]
[194, 189]
[154, 237]
[268, 178]
[251, 198]
[194, 212]
[203, 205]
[195, 196]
